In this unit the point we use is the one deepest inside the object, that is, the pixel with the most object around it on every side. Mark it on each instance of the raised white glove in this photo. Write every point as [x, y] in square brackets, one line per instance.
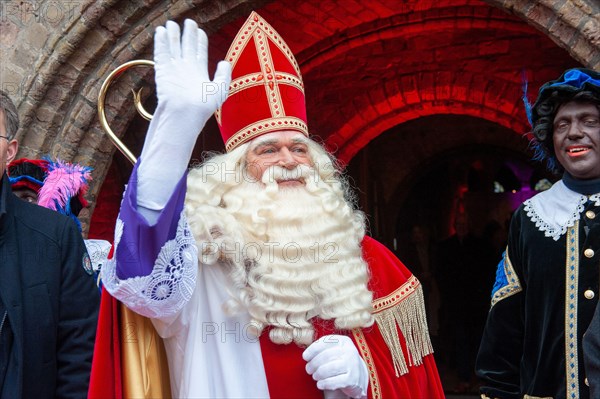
[335, 364]
[186, 100]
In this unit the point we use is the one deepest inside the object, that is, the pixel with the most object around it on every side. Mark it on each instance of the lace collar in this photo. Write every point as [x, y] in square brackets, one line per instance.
[556, 209]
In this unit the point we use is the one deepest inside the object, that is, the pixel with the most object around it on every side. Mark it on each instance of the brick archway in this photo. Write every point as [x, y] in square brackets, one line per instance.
[457, 95]
[572, 25]
[55, 63]
[405, 27]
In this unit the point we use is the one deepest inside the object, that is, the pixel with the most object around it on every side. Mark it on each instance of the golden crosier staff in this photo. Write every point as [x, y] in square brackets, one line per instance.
[136, 100]
[145, 368]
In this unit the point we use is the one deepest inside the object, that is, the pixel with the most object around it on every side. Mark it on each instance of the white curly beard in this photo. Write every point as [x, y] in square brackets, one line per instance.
[293, 253]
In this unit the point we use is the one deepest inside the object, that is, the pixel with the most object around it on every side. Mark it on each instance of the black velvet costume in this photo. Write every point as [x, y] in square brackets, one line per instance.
[545, 295]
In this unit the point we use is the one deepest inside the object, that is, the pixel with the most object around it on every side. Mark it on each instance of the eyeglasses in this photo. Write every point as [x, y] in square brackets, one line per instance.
[5, 137]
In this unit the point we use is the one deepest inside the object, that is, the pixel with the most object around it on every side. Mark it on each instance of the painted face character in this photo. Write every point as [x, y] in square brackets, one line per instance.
[576, 139]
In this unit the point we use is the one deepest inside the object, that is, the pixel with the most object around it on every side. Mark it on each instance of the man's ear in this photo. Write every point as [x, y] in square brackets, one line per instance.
[13, 147]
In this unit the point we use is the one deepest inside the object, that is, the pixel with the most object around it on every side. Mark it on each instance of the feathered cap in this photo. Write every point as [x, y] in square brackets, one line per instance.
[27, 173]
[65, 187]
[266, 92]
[551, 95]
[61, 186]
[568, 84]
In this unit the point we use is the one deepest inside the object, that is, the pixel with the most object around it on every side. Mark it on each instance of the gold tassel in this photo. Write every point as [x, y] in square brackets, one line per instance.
[408, 315]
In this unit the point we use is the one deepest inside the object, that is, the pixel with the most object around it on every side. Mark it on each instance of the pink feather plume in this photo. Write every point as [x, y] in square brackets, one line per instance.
[63, 181]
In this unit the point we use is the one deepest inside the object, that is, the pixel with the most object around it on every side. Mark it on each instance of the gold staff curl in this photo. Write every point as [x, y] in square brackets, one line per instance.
[136, 100]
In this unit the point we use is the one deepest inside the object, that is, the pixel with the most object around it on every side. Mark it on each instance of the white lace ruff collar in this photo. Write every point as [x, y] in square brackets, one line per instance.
[556, 209]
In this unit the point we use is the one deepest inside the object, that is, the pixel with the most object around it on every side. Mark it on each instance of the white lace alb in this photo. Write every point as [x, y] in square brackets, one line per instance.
[169, 287]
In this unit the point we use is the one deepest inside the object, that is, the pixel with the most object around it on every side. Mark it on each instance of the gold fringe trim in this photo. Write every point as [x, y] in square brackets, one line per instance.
[404, 309]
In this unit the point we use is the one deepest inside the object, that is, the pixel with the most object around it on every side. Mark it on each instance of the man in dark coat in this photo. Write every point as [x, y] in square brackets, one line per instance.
[48, 302]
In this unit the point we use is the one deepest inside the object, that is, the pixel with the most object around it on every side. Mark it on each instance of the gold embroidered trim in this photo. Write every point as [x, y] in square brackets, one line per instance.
[365, 352]
[268, 71]
[398, 295]
[404, 309]
[571, 298]
[257, 79]
[514, 285]
[265, 126]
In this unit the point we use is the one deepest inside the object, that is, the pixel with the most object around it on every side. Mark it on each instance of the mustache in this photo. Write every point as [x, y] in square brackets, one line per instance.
[278, 173]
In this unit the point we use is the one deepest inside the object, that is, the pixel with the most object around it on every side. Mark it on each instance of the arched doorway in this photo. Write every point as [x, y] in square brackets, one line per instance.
[415, 179]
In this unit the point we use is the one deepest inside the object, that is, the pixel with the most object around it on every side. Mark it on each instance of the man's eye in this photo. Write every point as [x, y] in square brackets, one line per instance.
[591, 122]
[561, 126]
[267, 151]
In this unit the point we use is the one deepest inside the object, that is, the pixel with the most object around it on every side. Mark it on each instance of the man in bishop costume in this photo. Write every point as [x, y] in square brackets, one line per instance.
[254, 267]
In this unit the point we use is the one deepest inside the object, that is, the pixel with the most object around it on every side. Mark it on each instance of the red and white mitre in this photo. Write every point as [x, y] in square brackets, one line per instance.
[266, 92]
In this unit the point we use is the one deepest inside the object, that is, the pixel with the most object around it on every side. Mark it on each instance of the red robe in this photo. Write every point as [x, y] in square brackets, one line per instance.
[398, 309]
[105, 379]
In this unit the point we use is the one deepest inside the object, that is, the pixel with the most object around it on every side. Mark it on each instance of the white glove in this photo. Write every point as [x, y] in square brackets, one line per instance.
[186, 100]
[335, 364]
